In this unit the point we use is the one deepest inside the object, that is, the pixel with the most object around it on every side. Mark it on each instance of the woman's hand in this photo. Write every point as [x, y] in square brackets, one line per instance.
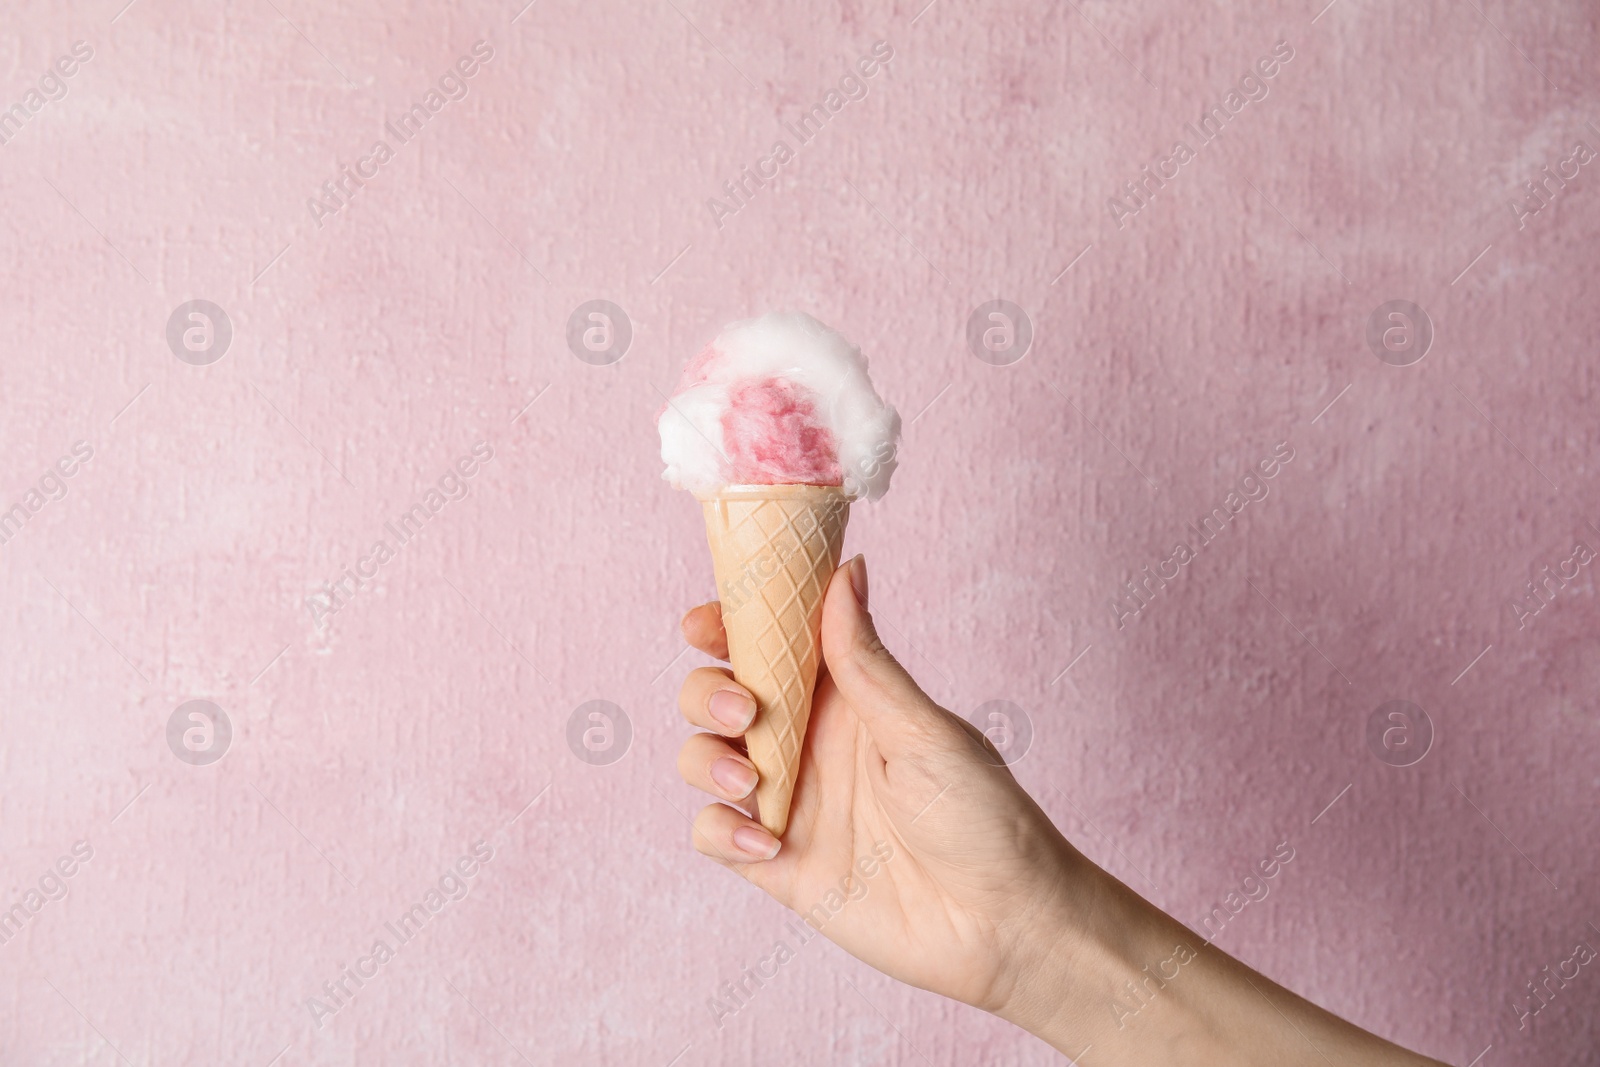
[976, 881]
[911, 847]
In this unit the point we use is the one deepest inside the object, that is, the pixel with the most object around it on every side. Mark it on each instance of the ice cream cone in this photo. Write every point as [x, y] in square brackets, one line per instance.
[774, 549]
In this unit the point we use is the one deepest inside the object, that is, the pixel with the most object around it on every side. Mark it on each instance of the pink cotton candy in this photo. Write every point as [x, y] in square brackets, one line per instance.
[772, 436]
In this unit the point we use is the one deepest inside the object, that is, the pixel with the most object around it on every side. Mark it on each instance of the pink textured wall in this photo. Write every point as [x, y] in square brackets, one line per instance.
[375, 343]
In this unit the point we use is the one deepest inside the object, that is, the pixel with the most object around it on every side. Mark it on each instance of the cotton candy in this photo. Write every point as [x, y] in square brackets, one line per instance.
[778, 400]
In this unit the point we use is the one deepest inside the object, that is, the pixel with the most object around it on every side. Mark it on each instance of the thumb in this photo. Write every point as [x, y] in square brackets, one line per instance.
[894, 708]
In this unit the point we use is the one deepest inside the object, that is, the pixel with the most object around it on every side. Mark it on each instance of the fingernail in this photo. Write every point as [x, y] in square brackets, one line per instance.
[735, 778]
[731, 709]
[858, 578]
[755, 842]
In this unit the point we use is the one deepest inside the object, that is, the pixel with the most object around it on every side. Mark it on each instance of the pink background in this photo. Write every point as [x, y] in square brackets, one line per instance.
[368, 354]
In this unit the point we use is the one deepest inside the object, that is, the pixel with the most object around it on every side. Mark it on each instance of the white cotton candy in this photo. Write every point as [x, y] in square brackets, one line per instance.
[705, 450]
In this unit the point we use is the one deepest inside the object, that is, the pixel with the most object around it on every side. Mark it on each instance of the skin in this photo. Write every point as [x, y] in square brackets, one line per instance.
[982, 900]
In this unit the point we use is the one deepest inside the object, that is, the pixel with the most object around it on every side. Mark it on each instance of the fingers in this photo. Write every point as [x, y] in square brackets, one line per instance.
[712, 700]
[898, 713]
[709, 763]
[732, 836]
[702, 628]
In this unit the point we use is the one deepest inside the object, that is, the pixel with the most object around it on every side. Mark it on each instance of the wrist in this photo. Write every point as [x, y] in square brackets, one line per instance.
[1105, 968]
[1065, 957]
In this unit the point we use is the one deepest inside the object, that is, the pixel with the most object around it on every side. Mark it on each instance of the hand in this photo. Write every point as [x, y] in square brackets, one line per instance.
[968, 890]
[974, 865]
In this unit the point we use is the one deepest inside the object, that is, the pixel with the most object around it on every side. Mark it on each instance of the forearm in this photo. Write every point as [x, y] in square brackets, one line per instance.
[1131, 985]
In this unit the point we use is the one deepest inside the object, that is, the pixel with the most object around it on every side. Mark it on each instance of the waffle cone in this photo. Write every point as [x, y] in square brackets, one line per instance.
[774, 549]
